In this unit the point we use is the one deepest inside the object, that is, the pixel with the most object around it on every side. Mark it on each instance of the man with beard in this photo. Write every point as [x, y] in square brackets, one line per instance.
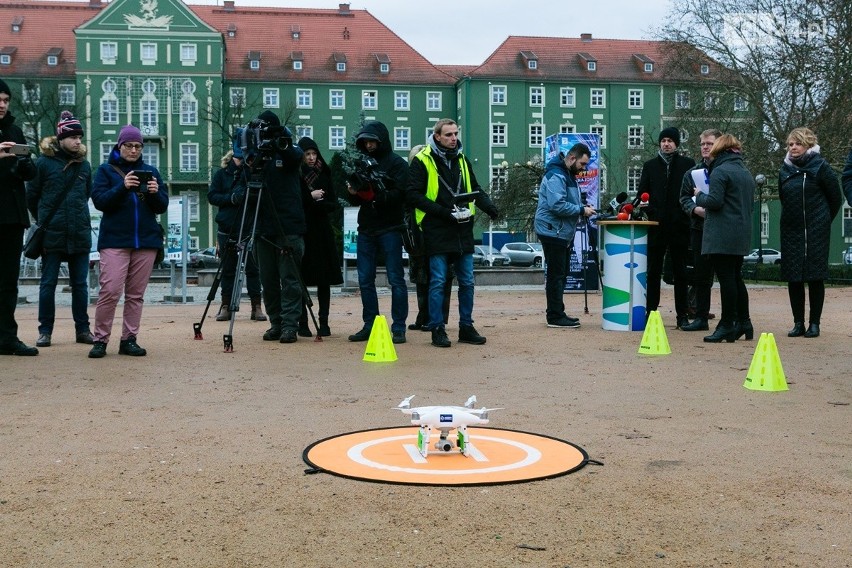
[440, 176]
[559, 209]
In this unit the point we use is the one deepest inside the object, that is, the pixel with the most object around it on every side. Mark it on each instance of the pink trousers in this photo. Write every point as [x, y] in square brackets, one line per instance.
[124, 271]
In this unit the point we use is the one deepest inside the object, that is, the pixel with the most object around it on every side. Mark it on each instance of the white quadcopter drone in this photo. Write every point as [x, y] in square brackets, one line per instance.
[444, 419]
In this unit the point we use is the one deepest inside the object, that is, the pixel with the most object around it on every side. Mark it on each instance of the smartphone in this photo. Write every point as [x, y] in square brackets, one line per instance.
[144, 177]
[21, 150]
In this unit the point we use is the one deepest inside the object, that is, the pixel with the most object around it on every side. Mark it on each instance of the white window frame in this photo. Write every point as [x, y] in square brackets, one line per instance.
[591, 66]
[402, 100]
[188, 54]
[649, 68]
[237, 97]
[634, 175]
[567, 129]
[67, 93]
[304, 131]
[568, 97]
[401, 138]
[304, 98]
[109, 52]
[600, 130]
[151, 155]
[189, 157]
[337, 99]
[532, 64]
[110, 109]
[711, 100]
[597, 93]
[336, 137]
[499, 134]
[52, 60]
[499, 95]
[188, 111]
[298, 65]
[149, 115]
[150, 59]
[536, 135]
[191, 200]
[384, 68]
[536, 96]
[271, 97]
[636, 98]
[5, 59]
[106, 149]
[30, 96]
[635, 137]
[341, 67]
[254, 64]
[705, 69]
[369, 99]
[434, 101]
[740, 103]
[681, 100]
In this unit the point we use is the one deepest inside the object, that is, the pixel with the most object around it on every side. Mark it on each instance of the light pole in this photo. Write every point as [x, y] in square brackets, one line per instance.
[760, 181]
[501, 169]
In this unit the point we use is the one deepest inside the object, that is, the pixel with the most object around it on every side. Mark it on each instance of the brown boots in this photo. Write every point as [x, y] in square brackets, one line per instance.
[224, 311]
[257, 310]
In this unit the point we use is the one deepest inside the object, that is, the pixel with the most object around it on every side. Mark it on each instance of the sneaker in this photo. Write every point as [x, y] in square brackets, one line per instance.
[439, 337]
[272, 334]
[43, 340]
[468, 334]
[398, 337]
[98, 350]
[362, 335]
[85, 337]
[564, 323]
[18, 348]
[130, 347]
[305, 331]
[289, 336]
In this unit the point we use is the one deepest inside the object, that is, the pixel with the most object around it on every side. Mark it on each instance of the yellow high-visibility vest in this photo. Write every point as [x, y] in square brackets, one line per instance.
[425, 156]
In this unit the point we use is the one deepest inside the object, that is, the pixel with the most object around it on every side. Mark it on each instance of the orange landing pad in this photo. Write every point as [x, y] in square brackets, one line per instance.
[389, 455]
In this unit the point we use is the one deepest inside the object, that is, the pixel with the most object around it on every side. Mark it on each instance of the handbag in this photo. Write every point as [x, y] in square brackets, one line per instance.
[34, 246]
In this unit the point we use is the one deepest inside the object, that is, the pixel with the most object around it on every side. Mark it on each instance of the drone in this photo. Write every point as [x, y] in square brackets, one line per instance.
[445, 419]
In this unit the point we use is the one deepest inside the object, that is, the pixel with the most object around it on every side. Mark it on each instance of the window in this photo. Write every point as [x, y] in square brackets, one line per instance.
[598, 98]
[297, 65]
[106, 148]
[384, 68]
[635, 98]
[52, 60]
[369, 100]
[151, 155]
[649, 68]
[567, 129]
[109, 52]
[635, 137]
[238, 97]
[337, 98]
[711, 101]
[498, 94]
[31, 94]
[532, 64]
[5, 59]
[337, 137]
[190, 199]
[188, 53]
[536, 96]
[341, 66]
[705, 69]
[681, 99]
[149, 108]
[600, 130]
[401, 100]
[498, 134]
[433, 101]
[304, 131]
[189, 157]
[270, 98]
[740, 103]
[304, 98]
[148, 53]
[188, 111]
[254, 64]
[67, 94]
[499, 178]
[536, 136]
[568, 97]
[634, 174]
[109, 103]
[401, 138]
[592, 66]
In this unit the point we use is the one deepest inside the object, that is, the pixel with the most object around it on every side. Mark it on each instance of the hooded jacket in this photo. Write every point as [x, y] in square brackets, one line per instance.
[559, 204]
[227, 189]
[70, 229]
[13, 173]
[380, 211]
[728, 205]
[129, 220]
[281, 198]
[810, 200]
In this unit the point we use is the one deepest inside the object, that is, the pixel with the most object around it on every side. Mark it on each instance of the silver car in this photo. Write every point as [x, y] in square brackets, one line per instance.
[524, 254]
[484, 255]
[770, 256]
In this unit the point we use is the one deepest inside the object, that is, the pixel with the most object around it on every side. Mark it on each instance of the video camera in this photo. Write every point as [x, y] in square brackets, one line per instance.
[366, 172]
[261, 139]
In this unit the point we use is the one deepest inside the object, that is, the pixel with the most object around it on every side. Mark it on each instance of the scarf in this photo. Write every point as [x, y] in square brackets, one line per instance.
[310, 174]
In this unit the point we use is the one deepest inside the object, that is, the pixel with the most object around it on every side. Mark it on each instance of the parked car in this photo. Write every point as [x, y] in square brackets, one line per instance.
[484, 255]
[770, 256]
[524, 254]
[847, 256]
[206, 258]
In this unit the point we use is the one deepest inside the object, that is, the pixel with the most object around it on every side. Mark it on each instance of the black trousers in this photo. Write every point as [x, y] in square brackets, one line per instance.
[729, 271]
[816, 295]
[11, 244]
[702, 274]
[675, 241]
[557, 257]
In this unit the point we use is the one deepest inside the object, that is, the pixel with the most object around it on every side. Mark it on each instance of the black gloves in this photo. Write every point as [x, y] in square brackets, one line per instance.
[238, 196]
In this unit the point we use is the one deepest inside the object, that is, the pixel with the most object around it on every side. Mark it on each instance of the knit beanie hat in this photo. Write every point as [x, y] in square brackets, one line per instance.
[672, 133]
[68, 126]
[129, 133]
[4, 88]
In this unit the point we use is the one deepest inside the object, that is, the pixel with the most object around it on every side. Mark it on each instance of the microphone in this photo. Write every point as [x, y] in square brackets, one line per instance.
[616, 202]
[636, 207]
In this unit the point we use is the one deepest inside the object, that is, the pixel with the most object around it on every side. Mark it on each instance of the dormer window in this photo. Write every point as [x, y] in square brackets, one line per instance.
[384, 62]
[649, 68]
[53, 56]
[341, 67]
[339, 61]
[232, 30]
[588, 61]
[254, 60]
[6, 55]
[384, 68]
[592, 66]
[705, 69]
[17, 23]
[530, 59]
[296, 32]
[643, 62]
[297, 58]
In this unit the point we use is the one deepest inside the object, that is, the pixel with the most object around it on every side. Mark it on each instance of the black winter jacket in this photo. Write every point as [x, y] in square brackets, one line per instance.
[663, 183]
[810, 199]
[227, 192]
[13, 173]
[70, 228]
[281, 196]
[380, 211]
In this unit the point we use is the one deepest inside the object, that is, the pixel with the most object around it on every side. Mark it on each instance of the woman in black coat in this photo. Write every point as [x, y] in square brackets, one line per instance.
[321, 261]
[810, 199]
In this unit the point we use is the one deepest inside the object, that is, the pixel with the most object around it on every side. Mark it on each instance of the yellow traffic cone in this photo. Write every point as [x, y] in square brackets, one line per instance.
[380, 347]
[654, 340]
[765, 372]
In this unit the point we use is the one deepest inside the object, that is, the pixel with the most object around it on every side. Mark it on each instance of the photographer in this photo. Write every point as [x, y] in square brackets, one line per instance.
[14, 219]
[378, 186]
[446, 195]
[280, 228]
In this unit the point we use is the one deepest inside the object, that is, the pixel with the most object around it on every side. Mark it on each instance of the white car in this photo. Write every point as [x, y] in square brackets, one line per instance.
[770, 256]
[524, 254]
[847, 256]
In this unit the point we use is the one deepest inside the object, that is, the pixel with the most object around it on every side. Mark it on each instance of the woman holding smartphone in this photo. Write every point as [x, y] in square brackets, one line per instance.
[130, 194]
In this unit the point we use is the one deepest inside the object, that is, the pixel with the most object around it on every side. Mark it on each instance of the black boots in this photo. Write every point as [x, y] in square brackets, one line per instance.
[439, 337]
[798, 329]
[324, 330]
[682, 321]
[745, 329]
[725, 331]
[698, 324]
[813, 330]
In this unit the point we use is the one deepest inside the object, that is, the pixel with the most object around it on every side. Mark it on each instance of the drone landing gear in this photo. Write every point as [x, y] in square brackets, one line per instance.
[444, 444]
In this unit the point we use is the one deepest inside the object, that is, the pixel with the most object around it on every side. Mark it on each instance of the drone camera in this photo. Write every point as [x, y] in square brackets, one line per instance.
[444, 445]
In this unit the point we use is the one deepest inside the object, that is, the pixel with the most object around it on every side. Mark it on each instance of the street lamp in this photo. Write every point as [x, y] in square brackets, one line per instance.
[501, 169]
[760, 181]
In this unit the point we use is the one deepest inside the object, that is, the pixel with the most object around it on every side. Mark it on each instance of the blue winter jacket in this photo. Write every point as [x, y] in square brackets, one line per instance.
[559, 204]
[129, 221]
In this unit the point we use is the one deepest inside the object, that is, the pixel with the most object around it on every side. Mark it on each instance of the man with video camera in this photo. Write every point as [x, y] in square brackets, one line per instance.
[281, 225]
[378, 187]
[445, 194]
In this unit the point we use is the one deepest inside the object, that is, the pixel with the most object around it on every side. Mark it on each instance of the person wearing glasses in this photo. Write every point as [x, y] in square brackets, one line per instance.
[131, 194]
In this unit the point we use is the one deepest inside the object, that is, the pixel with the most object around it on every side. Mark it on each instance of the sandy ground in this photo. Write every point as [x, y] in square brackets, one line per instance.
[192, 457]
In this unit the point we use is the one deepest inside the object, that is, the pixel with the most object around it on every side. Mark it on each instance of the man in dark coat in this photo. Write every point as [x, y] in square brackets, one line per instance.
[14, 170]
[441, 184]
[661, 180]
[281, 226]
[380, 224]
[63, 185]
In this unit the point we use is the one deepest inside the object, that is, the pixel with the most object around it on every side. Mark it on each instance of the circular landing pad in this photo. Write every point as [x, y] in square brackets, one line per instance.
[389, 455]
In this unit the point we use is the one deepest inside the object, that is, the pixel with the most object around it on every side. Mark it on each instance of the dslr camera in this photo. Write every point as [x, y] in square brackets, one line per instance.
[261, 139]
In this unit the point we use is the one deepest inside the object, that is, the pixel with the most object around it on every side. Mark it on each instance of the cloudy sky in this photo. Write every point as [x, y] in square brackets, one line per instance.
[467, 31]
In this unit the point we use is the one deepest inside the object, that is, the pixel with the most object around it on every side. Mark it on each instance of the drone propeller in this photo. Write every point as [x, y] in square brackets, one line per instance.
[470, 402]
[405, 404]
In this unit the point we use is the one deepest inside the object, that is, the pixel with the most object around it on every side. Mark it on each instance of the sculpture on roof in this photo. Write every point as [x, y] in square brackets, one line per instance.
[149, 18]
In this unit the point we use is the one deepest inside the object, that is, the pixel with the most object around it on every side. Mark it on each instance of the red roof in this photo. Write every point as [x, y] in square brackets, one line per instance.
[44, 26]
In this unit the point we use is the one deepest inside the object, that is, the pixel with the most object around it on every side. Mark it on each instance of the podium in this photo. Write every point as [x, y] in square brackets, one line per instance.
[624, 254]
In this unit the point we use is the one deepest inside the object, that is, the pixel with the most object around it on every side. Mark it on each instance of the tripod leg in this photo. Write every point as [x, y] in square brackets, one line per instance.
[211, 294]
